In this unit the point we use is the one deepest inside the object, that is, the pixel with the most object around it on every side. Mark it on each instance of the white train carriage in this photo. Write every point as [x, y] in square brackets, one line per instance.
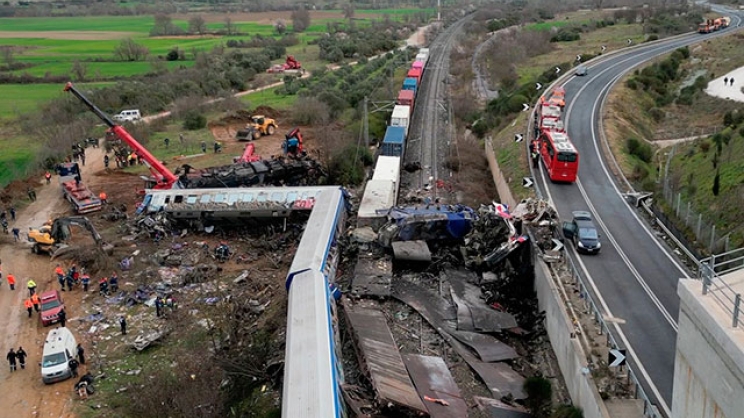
[312, 372]
[243, 202]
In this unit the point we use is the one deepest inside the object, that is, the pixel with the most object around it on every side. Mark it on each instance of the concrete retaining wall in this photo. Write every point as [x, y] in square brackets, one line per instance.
[568, 350]
[708, 376]
[502, 185]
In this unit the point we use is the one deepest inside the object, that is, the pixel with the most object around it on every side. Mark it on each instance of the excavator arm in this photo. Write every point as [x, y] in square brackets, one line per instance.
[61, 228]
[165, 178]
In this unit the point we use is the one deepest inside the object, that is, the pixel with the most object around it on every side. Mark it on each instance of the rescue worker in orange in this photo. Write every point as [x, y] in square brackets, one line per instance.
[103, 197]
[29, 306]
[59, 271]
[36, 301]
[11, 281]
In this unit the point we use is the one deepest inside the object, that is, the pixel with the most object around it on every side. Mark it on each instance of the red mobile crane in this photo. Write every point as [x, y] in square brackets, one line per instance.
[164, 178]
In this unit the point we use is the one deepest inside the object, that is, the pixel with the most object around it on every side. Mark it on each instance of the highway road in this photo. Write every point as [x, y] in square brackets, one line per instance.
[635, 276]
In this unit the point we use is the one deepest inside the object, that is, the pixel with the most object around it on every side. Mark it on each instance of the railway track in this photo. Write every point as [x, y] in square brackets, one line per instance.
[430, 137]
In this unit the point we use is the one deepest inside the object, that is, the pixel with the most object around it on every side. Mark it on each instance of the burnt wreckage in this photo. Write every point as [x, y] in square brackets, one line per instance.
[277, 172]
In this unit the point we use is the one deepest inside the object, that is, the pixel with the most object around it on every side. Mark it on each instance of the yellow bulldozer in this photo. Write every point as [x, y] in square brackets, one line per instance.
[258, 126]
[52, 236]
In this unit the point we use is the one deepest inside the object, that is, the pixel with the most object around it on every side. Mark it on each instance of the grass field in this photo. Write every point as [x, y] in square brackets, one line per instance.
[269, 98]
[613, 37]
[26, 97]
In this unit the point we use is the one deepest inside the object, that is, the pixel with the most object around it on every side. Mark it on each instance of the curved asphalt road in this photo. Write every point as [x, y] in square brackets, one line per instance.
[634, 277]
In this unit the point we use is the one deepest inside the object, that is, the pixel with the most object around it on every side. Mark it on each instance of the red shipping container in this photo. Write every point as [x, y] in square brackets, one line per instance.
[405, 98]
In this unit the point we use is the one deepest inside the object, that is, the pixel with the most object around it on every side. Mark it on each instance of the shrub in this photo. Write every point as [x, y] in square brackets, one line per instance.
[566, 35]
[172, 55]
[568, 411]
[657, 114]
[480, 128]
[193, 121]
[652, 38]
[516, 103]
[639, 149]
[539, 391]
[631, 83]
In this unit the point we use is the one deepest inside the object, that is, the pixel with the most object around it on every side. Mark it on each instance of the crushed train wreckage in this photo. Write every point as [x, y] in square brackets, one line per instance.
[275, 172]
[468, 274]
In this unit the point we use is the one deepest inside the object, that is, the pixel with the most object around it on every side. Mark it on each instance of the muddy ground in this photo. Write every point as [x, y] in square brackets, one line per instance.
[23, 390]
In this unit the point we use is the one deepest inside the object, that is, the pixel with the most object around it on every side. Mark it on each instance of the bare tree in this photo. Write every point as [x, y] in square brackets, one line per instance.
[128, 50]
[163, 25]
[280, 26]
[300, 19]
[79, 70]
[197, 24]
[229, 25]
[348, 10]
[8, 56]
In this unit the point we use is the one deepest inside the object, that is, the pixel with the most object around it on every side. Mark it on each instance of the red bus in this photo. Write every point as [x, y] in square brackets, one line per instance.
[559, 156]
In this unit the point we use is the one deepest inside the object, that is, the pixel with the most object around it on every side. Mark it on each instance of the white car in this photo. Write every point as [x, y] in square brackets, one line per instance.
[128, 115]
[581, 70]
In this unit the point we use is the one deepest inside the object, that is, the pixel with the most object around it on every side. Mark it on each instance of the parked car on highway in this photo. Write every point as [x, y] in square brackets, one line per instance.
[51, 305]
[583, 233]
[581, 70]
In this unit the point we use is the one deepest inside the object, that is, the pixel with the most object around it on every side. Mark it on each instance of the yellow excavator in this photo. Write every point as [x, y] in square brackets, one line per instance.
[52, 236]
[258, 126]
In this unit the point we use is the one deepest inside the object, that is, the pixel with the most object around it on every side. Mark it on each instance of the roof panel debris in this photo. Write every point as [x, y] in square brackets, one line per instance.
[475, 284]
[436, 386]
[381, 358]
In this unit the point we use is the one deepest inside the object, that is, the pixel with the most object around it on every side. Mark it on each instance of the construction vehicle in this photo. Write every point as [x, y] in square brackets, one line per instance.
[247, 134]
[52, 236]
[290, 65]
[292, 145]
[162, 178]
[248, 156]
[259, 125]
[82, 199]
[246, 174]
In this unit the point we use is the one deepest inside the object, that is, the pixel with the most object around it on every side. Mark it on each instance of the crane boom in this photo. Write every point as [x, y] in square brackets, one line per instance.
[165, 179]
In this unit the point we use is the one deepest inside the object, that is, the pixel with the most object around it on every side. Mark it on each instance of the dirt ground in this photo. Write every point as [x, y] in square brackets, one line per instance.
[23, 391]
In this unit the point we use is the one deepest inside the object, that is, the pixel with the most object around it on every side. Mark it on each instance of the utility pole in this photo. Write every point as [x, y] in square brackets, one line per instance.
[439, 10]
[365, 123]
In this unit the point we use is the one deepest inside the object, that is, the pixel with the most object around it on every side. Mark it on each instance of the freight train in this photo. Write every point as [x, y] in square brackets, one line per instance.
[381, 193]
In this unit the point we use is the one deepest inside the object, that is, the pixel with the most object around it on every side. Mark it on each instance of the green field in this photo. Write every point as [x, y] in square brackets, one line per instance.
[141, 24]
[269, 98]
[26, 97]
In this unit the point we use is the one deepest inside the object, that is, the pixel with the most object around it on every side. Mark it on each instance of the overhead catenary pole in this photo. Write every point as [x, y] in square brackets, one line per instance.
[366, 123]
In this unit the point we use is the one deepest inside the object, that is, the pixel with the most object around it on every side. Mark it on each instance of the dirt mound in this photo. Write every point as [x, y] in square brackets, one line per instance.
[241, 117]
[267, 111]
[238, 117]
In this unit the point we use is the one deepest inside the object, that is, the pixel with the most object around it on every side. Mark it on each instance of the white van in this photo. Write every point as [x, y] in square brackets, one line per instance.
[60, 346]
[128, 115]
